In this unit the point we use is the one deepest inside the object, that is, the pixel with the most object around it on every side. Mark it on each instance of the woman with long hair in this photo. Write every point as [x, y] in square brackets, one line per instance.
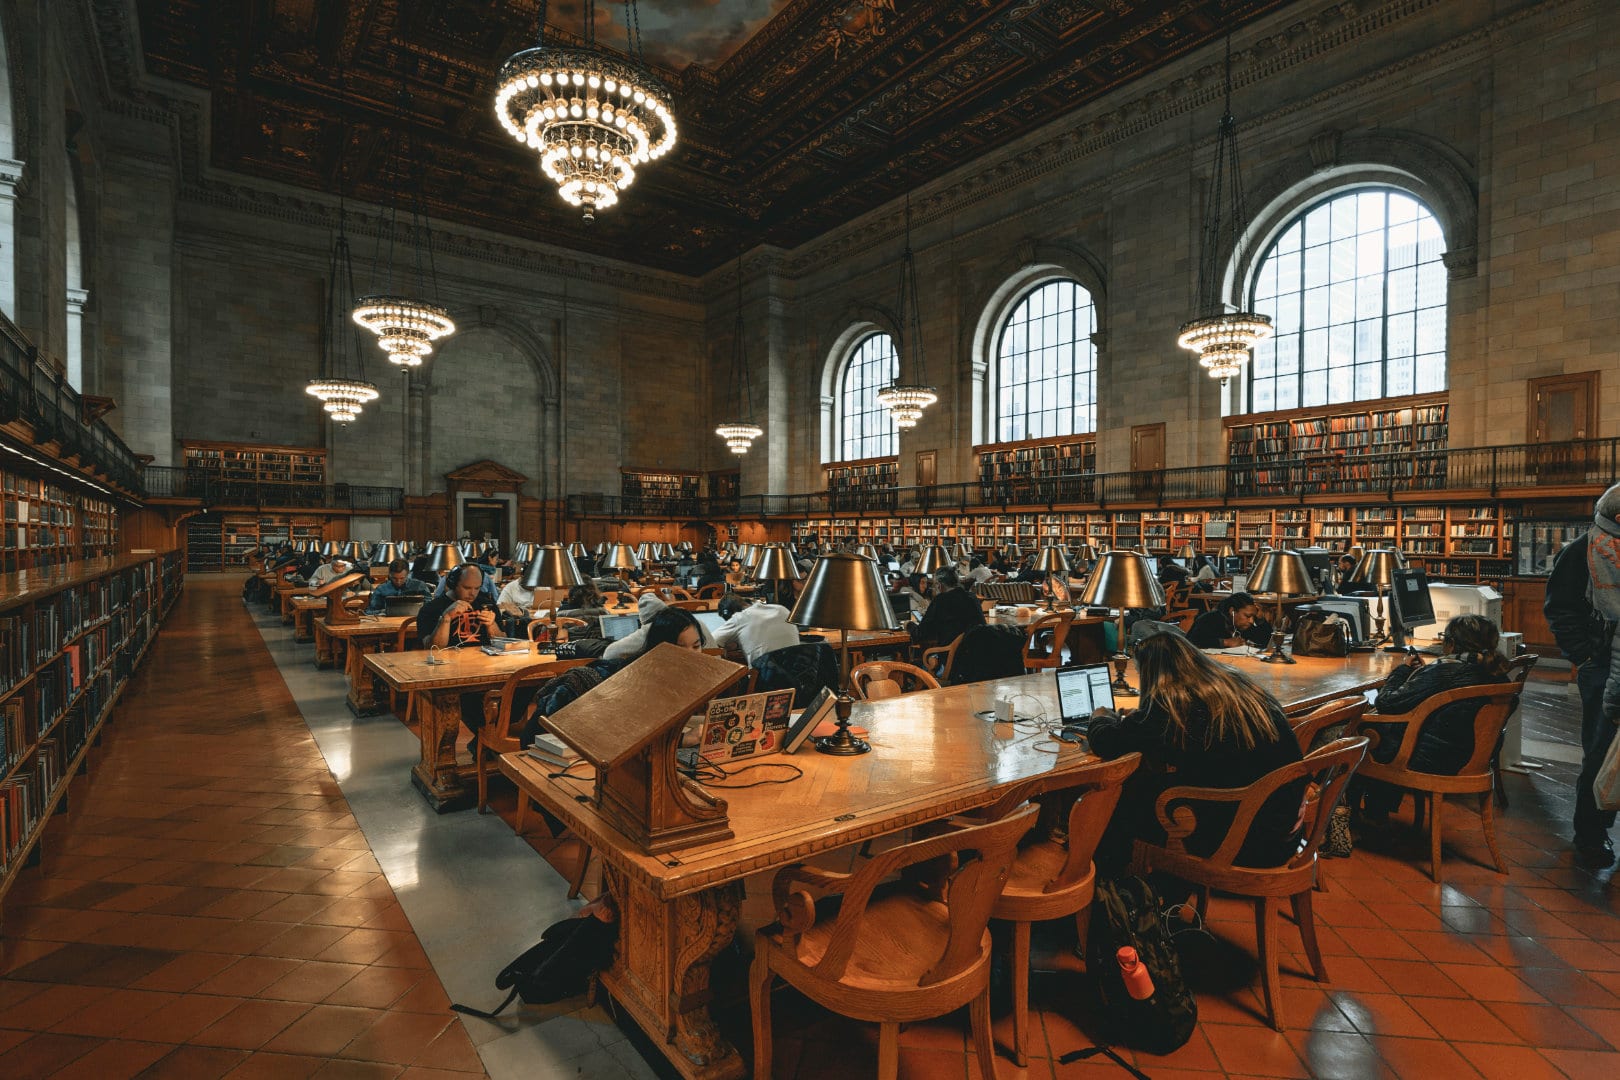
[1199, 723]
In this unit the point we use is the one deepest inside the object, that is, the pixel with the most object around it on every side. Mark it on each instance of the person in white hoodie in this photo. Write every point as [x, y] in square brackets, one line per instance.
[756, 629]
[634, 642]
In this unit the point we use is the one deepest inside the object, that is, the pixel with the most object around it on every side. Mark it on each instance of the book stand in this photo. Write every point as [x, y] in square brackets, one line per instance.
[336, 613]
[629, 727]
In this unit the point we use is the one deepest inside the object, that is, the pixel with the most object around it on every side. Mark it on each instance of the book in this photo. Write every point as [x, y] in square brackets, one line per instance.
[820, 707]
[552, 750]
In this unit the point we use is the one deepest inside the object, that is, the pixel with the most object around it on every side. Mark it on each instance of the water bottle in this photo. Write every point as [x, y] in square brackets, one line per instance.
[1138, 983]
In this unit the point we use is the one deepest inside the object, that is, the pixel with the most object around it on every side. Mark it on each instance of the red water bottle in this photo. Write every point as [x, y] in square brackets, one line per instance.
[1138, 983]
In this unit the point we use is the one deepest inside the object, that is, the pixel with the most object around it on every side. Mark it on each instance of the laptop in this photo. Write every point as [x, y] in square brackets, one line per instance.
[615, 627]
[710, 620]
[1081, 691]
[402, 605]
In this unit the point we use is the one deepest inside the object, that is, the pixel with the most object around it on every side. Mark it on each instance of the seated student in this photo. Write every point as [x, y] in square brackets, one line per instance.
[515, 602]
[952, 611]
[584, 602]
[708, 571]
[1204, 575]
[919, 589]
[671, 625]
[1200, 723]
[1446, 741]
[978, 573]
[647, 608]
[1170, 571]
[735, 574]
[398, 583]
[334, 569]
[462, 616]
[755, 629]
[1234, 621]
[486, 584]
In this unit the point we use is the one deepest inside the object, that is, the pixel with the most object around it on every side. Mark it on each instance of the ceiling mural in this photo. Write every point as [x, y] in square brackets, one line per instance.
[795, 116]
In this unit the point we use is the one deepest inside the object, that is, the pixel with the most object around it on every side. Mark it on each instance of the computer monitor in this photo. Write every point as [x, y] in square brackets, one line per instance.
[615, 627]
[1232, 564]
[1354, 609]
[710, 620]
[1409, 602]
[402, 605]
[1318, 561]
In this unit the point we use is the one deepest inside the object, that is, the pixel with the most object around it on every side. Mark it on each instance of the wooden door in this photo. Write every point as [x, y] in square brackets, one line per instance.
[1562, 414]
[1147, 460]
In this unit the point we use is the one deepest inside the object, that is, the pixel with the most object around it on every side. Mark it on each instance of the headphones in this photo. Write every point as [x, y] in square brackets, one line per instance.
[452, 580]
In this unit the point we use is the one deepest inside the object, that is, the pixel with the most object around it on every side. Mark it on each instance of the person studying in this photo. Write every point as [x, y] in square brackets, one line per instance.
[1234, 621]
[398, 583]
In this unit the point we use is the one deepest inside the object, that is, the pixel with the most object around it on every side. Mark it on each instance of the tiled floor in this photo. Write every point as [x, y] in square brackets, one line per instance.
[202, 913]
[209, 907]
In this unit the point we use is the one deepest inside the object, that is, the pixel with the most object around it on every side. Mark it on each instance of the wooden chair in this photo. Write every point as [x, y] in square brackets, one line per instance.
[1329, 769]
[691, 605]
[879, 679]
[917, 949]
[1052, 876]
[1345, 710]
[403, 642]
[1043, 641]
[675, 592]
[564, 622]
[712, 591]
[943, 656]
[496, 737]
[1430, 789]
[1183, 618]
[1519, 669]
[1175, 595]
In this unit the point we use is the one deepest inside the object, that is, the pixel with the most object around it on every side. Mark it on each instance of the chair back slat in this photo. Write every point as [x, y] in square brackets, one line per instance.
[1345, 710]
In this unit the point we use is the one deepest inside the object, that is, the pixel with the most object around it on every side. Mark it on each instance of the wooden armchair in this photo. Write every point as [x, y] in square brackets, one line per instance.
[916, 949]
[564, 622]
[691, 605]
[937, 661]
[1175, 595]
[404, 641]
[1430, 789]
[1519, 669]
[712, 591]
[879, 679]
[675, 592]
[1043, 641]
[1052, 876]
[1183, 618]
[1307, 726]
[1328, 769]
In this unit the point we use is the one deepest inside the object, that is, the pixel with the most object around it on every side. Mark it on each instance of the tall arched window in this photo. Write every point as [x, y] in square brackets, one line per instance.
[1046, 373]
[865, 428]
[1356, 291]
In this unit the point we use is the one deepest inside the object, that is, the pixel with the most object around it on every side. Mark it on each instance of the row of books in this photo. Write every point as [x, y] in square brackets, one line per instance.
[22, 801]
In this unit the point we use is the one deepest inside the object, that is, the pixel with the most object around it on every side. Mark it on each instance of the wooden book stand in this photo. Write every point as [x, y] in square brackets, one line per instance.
[336, 613]
[629, 728]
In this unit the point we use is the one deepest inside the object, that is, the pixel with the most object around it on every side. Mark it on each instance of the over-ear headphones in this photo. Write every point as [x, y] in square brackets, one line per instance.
[452, 580]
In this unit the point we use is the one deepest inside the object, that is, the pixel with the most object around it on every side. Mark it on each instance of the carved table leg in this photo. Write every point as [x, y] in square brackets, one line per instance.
[705, 923]
[362, 688]
[303, 620]
[436, 776]
[323, 647]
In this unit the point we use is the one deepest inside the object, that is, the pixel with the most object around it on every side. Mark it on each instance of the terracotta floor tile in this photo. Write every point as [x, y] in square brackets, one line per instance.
[338, 1069]
[1497, 1062]
[1254, 1050]
[1336, 1055]
[1418, 977]
[41, 1056]
[453, 1051]
[304, 941]
[194, 1063]
[398, 1037]
[1546, 1026]
[417, 1072]
[248, 976]
[1584, 1063]
[268, 1066]
[426, 996]
[1605, 1022]
[185, 972]
[1382, 1014]
[1459, 1019]
[49, 1007]
[117, 1059]
[376, 987]
[1424, 1059]
[324, 1030]
[251, 1024]
[182, 1019]
[114, 1013]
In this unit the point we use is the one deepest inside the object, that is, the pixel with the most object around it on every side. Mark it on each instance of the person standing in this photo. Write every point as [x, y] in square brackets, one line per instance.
[1583, 612]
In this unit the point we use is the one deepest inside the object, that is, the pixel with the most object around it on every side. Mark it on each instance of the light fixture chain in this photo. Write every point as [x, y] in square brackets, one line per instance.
[540, 26]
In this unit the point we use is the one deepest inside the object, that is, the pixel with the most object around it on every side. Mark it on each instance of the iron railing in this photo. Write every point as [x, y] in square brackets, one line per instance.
[213, 490]
[40, 397]
[1492, 470]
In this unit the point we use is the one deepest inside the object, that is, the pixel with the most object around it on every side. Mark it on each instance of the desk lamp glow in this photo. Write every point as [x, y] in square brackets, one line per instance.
[1280, 574]
[844, 592]
[1121, 580]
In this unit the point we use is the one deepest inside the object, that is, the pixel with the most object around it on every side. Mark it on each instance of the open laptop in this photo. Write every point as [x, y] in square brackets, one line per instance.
[710, 620]
[1081, 691]
[615, 627]
[402, 605]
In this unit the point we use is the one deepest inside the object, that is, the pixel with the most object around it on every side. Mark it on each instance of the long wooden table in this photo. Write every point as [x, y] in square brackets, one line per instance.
[356, 641]
[931, 757]
[304, 610]
[440, 776]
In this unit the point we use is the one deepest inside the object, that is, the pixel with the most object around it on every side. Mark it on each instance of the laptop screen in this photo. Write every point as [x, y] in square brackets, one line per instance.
[1082, 690]
[710, 620]
[402, 605]
[615, 627]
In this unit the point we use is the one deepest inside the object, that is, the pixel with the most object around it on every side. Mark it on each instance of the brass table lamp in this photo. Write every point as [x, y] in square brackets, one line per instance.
[621, 557]
[844, 592]
[1051, 561]
[932, 560]
[1377, 567]
[551, 567]
[776, 566]
[446, 557]
[1121, 580]
[1280, 574]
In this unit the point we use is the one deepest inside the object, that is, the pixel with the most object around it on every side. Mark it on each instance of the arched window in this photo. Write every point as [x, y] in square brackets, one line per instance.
[1046, 371]
[865, 428]
[1356, 291]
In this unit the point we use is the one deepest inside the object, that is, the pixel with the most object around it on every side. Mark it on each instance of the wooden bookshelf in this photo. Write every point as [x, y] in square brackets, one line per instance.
[70, 638]
[862, 483]
[725, 486]
[1038, 470]
[655, 489]
[276, 475]
[1361, 449]
[222, 540]
[47, 524]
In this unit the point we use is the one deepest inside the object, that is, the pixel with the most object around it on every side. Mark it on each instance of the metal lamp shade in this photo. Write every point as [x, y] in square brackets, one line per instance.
[1086, 553]
[328, 549]
[844, 592]
[644, 551]
[523, 553]
[602, 549]
[446, 557]
[353, 550]
[551, 567]
[1188, 551]
[776, 564]
[577, 549]
[933, 560]
[1281, 573]
[867, 551]
[960, 553]
[1226, 552]
[1378, 565]
[385, 553]
[622, 557]
[1013, 553]
[1122, 579]
[1052, 560]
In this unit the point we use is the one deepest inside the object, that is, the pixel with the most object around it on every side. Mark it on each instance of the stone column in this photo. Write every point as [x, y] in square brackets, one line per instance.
[76, 299]
[11, 174]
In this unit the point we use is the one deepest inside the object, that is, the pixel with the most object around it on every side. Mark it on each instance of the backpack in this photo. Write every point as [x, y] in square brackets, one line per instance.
[255, 590]
[568, 954]
[1126, 912]
[1321, 633]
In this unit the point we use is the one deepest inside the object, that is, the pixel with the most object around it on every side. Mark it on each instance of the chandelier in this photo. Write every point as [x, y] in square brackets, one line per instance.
[342, 397]
[906, 401]
[741, 432]
[592, 118]
[406, 327]
[1222, 339]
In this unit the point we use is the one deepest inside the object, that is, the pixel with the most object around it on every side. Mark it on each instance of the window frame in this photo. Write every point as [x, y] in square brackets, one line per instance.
[998, 363]
[851, 362]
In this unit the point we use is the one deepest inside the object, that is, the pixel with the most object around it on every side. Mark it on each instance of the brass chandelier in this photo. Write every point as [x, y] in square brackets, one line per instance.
[906, 401]
[1223, 340]
[592, 117]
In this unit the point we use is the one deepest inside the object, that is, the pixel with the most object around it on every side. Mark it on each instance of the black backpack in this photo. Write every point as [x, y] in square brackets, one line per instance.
[568, 954]
[1126, 912]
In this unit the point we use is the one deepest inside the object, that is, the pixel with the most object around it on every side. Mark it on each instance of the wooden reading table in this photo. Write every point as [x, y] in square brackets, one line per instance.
[283, 596]
[304, 610]
[931, 758]
[440, 776]
[355, 641]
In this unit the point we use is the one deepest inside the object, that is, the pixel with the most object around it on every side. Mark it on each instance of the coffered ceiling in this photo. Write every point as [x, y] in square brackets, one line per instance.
[795, 115]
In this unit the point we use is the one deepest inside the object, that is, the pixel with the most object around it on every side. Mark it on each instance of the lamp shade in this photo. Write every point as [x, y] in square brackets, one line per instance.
[960, 553]
[622, 557]
[867, 551]
[1226, 552]
[1189, 550]
[1122, 579]
[1012, 553]
[385, 552]
[1281, 573]
[932, 560]
[328, 549]
[602, 549]
[446, 557]
[1086, 553]
[776, 564]
[1377, 566]
[844, 592]
[1052, 560]
[353, 550]
[577, 549]
[551, 567]
[523, 553]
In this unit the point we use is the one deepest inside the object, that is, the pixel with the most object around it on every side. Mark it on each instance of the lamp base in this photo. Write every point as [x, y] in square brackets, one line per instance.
[1119, 685]
[842, 743]
[1276, 655]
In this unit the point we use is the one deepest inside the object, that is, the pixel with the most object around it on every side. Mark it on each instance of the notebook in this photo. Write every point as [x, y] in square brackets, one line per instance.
[1081, 691]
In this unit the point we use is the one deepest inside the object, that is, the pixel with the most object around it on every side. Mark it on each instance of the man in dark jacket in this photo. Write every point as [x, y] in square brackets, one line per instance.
[1586, 638]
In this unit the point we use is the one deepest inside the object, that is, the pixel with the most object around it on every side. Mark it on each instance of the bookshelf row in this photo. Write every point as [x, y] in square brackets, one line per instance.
[70, 638]
[301, 466]
[1322, 449]
[1043, 471]
[1468, 534]
[872, 474]
[222, 541]
[634, 484]
[45, 524]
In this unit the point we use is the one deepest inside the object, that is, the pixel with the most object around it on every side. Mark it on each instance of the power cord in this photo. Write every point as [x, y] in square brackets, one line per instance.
[710, 774]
